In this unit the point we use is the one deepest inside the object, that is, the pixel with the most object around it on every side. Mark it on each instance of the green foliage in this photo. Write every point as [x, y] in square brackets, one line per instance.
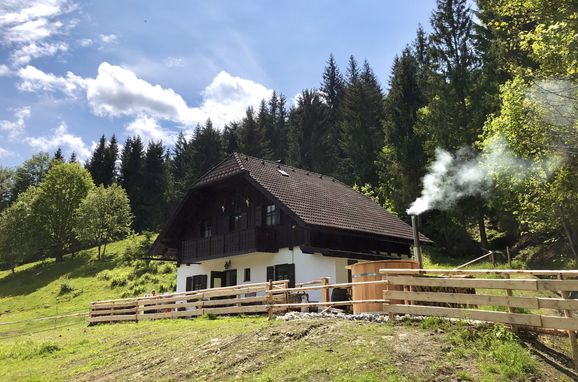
[103, 216]
[59, 195]
[18, 224]
[30, 173]
[65, 287]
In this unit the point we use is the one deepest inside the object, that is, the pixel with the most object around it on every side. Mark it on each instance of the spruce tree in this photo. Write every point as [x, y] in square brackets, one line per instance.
[131, 177]
[58, 156]
[73, 158]
[332, 91]
[153, 187]
[96, 164]
[110, 175]
[231, 137]
[361, 125]
[208, 150]
[251, 139]
[308, 126]
[402, 160]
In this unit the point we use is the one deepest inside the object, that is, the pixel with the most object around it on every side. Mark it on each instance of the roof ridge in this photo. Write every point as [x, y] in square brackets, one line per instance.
[289, 166]
[239, 161]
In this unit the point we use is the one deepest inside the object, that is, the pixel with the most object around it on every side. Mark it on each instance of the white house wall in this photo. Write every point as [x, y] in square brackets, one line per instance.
[308, 267]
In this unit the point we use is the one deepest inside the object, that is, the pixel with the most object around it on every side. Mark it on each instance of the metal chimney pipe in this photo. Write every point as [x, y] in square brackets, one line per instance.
[416, 244]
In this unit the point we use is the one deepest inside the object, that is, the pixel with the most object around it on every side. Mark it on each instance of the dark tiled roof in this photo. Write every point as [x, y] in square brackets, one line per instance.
[316, 199]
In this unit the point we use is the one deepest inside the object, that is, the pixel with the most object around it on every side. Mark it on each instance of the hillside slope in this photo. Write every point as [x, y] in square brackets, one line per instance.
[241, 348]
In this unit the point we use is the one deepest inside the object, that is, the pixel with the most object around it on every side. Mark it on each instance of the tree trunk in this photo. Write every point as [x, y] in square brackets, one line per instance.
[13, 268]
[569, 236]
[58, 257]
[482, 228]
[104, 250]
[98, 246]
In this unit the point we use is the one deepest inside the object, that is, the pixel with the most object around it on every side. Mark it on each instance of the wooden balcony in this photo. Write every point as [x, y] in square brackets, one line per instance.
[234, 243]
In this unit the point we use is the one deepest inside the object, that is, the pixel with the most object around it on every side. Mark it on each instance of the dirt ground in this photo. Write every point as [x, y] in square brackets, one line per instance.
[319, 350]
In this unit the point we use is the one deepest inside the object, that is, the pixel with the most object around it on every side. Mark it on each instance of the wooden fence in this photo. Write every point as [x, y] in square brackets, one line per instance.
[246, 298]
[542, 299]
[533, 308]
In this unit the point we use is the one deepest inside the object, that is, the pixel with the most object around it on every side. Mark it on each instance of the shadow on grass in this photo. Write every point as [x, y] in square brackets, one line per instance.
[559, 361]
[29, 280]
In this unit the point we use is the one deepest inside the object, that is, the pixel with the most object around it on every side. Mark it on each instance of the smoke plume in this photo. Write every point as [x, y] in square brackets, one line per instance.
[465, 173]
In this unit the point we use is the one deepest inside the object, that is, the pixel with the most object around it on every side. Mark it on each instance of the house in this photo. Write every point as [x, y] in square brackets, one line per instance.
[252, 220]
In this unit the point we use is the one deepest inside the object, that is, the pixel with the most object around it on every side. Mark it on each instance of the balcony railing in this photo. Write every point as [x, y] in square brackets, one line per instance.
[245, 241]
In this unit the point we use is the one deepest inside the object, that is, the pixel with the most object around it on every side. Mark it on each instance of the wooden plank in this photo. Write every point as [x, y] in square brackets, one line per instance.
[113, 311]
[173, 314]
[112, 306]
[126, 317]
[567, 273]
[518, 284]
[325, 290]
[329, 303]
[478, 299]
[318, 287]
[244, 300]
[238, 309]
[480, 315]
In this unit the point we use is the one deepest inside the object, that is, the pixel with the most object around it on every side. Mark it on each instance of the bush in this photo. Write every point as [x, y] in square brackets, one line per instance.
[118, 280]
[65, 287]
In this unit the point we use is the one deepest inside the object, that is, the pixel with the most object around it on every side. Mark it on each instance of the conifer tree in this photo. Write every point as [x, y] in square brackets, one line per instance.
[361, 125]
[308, 126]
[131, 177]
[402, 160]
[109, 163]
[96, 164]
[231, 137]
[153, 188]
[251, 139]
[73, 158]
[208, 149]
[332, 91]
[58, 156]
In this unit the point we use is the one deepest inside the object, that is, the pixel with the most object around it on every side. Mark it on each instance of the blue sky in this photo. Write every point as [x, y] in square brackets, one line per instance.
[72, 71]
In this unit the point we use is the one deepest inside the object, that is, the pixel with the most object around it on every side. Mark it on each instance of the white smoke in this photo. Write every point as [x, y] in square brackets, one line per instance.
[453, 177]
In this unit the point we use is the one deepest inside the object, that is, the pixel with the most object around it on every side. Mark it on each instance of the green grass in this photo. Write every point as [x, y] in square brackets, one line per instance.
[241, 348]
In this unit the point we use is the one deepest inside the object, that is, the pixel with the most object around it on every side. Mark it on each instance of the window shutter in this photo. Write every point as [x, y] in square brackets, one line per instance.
[189, 285]
[258, 216]
[271, 273]
[291, 271]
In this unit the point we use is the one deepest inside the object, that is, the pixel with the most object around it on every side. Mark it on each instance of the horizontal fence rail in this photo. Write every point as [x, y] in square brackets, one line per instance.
[246, 298]
[440, 293]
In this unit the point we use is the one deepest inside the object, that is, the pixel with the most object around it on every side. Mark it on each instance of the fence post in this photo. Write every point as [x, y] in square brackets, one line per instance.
[270, 300]
[509, 293]
[571, 333]
[324, 290]
[509, 257]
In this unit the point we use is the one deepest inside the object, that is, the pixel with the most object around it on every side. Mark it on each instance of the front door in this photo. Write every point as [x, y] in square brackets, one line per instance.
[217, 279]
[223, 279]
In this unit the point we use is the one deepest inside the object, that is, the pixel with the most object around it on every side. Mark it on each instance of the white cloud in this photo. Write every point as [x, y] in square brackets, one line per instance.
[149, 129]
[15, 128]
[28, 26]
[4, 153]
[27, 53]
[85, 42]
[35, 80]
[174, 62]
[117, 91]
[4, 70]
[61, 138]
[108, 38]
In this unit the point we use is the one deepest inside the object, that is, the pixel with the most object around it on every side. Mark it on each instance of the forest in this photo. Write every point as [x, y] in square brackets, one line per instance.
[475, 129]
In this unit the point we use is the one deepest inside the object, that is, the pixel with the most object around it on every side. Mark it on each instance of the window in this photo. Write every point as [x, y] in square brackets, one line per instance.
[271, 215]
[282, 272]
[206, 228]
[199, 282]
[238, 222]
[247, 274]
